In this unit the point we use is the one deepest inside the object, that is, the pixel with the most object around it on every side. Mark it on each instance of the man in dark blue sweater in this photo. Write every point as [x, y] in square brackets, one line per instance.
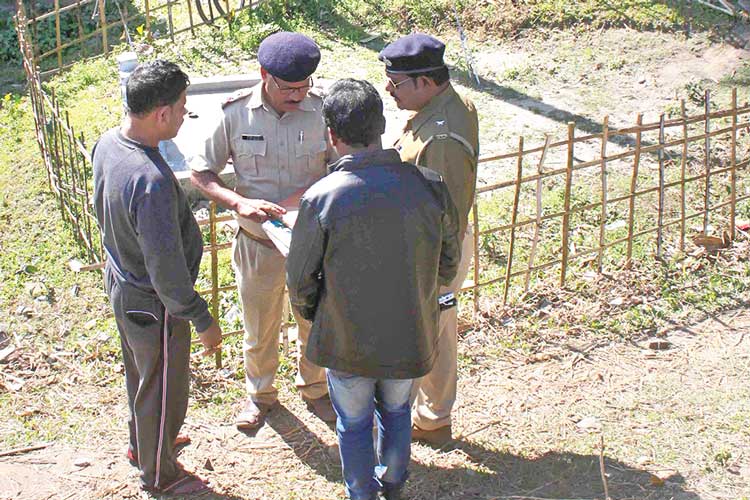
[154, 249]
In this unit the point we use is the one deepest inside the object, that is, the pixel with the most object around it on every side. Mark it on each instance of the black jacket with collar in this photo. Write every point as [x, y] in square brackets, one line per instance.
[372, 243]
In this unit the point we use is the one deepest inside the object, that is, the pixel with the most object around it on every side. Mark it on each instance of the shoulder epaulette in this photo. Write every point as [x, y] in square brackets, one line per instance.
[444, 137]
[238, 95]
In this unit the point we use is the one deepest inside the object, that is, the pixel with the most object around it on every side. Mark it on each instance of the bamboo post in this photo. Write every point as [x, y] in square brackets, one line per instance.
[148, 16]
[513, 219]
[633, 186]
[88, 180]
[210, 11]
[70, 140]
[475, 223]
[169, 19]
[58, 38]
[190, 16]
[733, 175]
[537, 225]
[660, 215]
[65, 186]
[566, 203]
[707, 194]
[103, 21]
[603, 222]
[214, 270]
[40, 124]
[82, 46]
[87, 197]
[55, 162]
[683, 167]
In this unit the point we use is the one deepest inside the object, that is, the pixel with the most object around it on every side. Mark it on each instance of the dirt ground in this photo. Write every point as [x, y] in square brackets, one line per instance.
[674, 423]
[526, 428]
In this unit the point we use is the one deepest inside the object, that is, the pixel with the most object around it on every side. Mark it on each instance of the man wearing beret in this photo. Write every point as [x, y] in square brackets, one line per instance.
[275, 135]
[442, 135]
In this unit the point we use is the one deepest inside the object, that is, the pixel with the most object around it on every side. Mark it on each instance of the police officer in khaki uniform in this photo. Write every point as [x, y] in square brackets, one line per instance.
[275, 135]
[442, 135]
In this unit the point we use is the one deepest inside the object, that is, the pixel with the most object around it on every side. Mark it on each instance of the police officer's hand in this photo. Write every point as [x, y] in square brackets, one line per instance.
[259, 210]
[211, 339]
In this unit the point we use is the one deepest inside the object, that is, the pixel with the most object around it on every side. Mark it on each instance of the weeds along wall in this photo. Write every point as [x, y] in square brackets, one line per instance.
[568, 207]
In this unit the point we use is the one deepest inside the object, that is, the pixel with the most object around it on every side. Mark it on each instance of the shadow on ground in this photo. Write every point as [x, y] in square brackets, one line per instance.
[493, 474]
[553, 475]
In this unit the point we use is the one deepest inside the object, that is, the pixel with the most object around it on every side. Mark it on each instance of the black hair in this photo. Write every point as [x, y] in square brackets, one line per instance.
[353, 110]
[153, 84]
[439, 76]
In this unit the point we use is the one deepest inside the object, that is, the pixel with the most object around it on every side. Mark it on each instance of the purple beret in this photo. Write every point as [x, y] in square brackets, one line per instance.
[293, 57]
[413, 53]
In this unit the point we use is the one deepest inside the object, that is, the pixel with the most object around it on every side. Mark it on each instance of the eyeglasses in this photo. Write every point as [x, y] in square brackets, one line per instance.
[291, 90]
[394, 84]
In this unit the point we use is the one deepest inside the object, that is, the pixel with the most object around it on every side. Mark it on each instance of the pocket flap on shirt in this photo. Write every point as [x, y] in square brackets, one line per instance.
[250, 148]
[310, 148]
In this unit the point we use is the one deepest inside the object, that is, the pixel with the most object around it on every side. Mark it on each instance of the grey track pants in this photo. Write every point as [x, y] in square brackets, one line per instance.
[156, 355]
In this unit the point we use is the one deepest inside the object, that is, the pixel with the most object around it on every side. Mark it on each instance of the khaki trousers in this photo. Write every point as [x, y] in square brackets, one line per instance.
[261, 278]
[435, 393]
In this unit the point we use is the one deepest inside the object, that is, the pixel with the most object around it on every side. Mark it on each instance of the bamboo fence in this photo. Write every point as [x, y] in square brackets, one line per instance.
[594, 206]
[90, 28]
[65, 155]
[555, 211]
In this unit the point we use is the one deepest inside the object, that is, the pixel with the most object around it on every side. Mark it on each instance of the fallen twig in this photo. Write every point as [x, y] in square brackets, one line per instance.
[485, 426]
[18, 451]
[742, 337]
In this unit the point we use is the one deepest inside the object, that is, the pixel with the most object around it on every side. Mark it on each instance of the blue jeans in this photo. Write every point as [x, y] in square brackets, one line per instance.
[355, 399]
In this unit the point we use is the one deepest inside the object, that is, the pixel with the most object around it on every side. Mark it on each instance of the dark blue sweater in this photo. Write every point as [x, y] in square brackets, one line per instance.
[150, 235]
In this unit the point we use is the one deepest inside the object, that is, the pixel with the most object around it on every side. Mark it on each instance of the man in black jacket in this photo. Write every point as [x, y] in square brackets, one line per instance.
[372, 244]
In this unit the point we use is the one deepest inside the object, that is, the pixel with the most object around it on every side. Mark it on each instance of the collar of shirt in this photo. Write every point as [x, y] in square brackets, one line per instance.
[366, 159]
[436, 104]
[257, 100]
[131, 143]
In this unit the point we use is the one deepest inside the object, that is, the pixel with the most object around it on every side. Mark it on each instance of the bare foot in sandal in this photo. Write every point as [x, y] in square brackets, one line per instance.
[185, 484]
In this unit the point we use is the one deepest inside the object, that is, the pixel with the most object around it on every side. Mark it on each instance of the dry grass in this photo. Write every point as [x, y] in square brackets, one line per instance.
[528, 422]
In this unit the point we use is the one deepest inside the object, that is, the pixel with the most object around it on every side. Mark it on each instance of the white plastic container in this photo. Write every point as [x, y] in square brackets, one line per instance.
[126, 63]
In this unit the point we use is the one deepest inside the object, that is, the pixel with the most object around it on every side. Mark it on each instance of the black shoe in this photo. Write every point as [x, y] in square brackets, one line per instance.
[391, 491]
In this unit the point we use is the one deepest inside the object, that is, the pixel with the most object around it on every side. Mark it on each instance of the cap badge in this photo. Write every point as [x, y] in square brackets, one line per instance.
[387, 62]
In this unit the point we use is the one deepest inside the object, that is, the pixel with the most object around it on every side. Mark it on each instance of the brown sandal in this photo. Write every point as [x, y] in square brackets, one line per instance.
[185, 484]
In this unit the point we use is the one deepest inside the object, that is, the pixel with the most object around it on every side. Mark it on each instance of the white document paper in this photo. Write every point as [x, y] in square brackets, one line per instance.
[280, 234]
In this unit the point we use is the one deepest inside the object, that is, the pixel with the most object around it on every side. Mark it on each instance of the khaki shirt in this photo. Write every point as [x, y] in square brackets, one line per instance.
[444, 136]
[273, 156]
